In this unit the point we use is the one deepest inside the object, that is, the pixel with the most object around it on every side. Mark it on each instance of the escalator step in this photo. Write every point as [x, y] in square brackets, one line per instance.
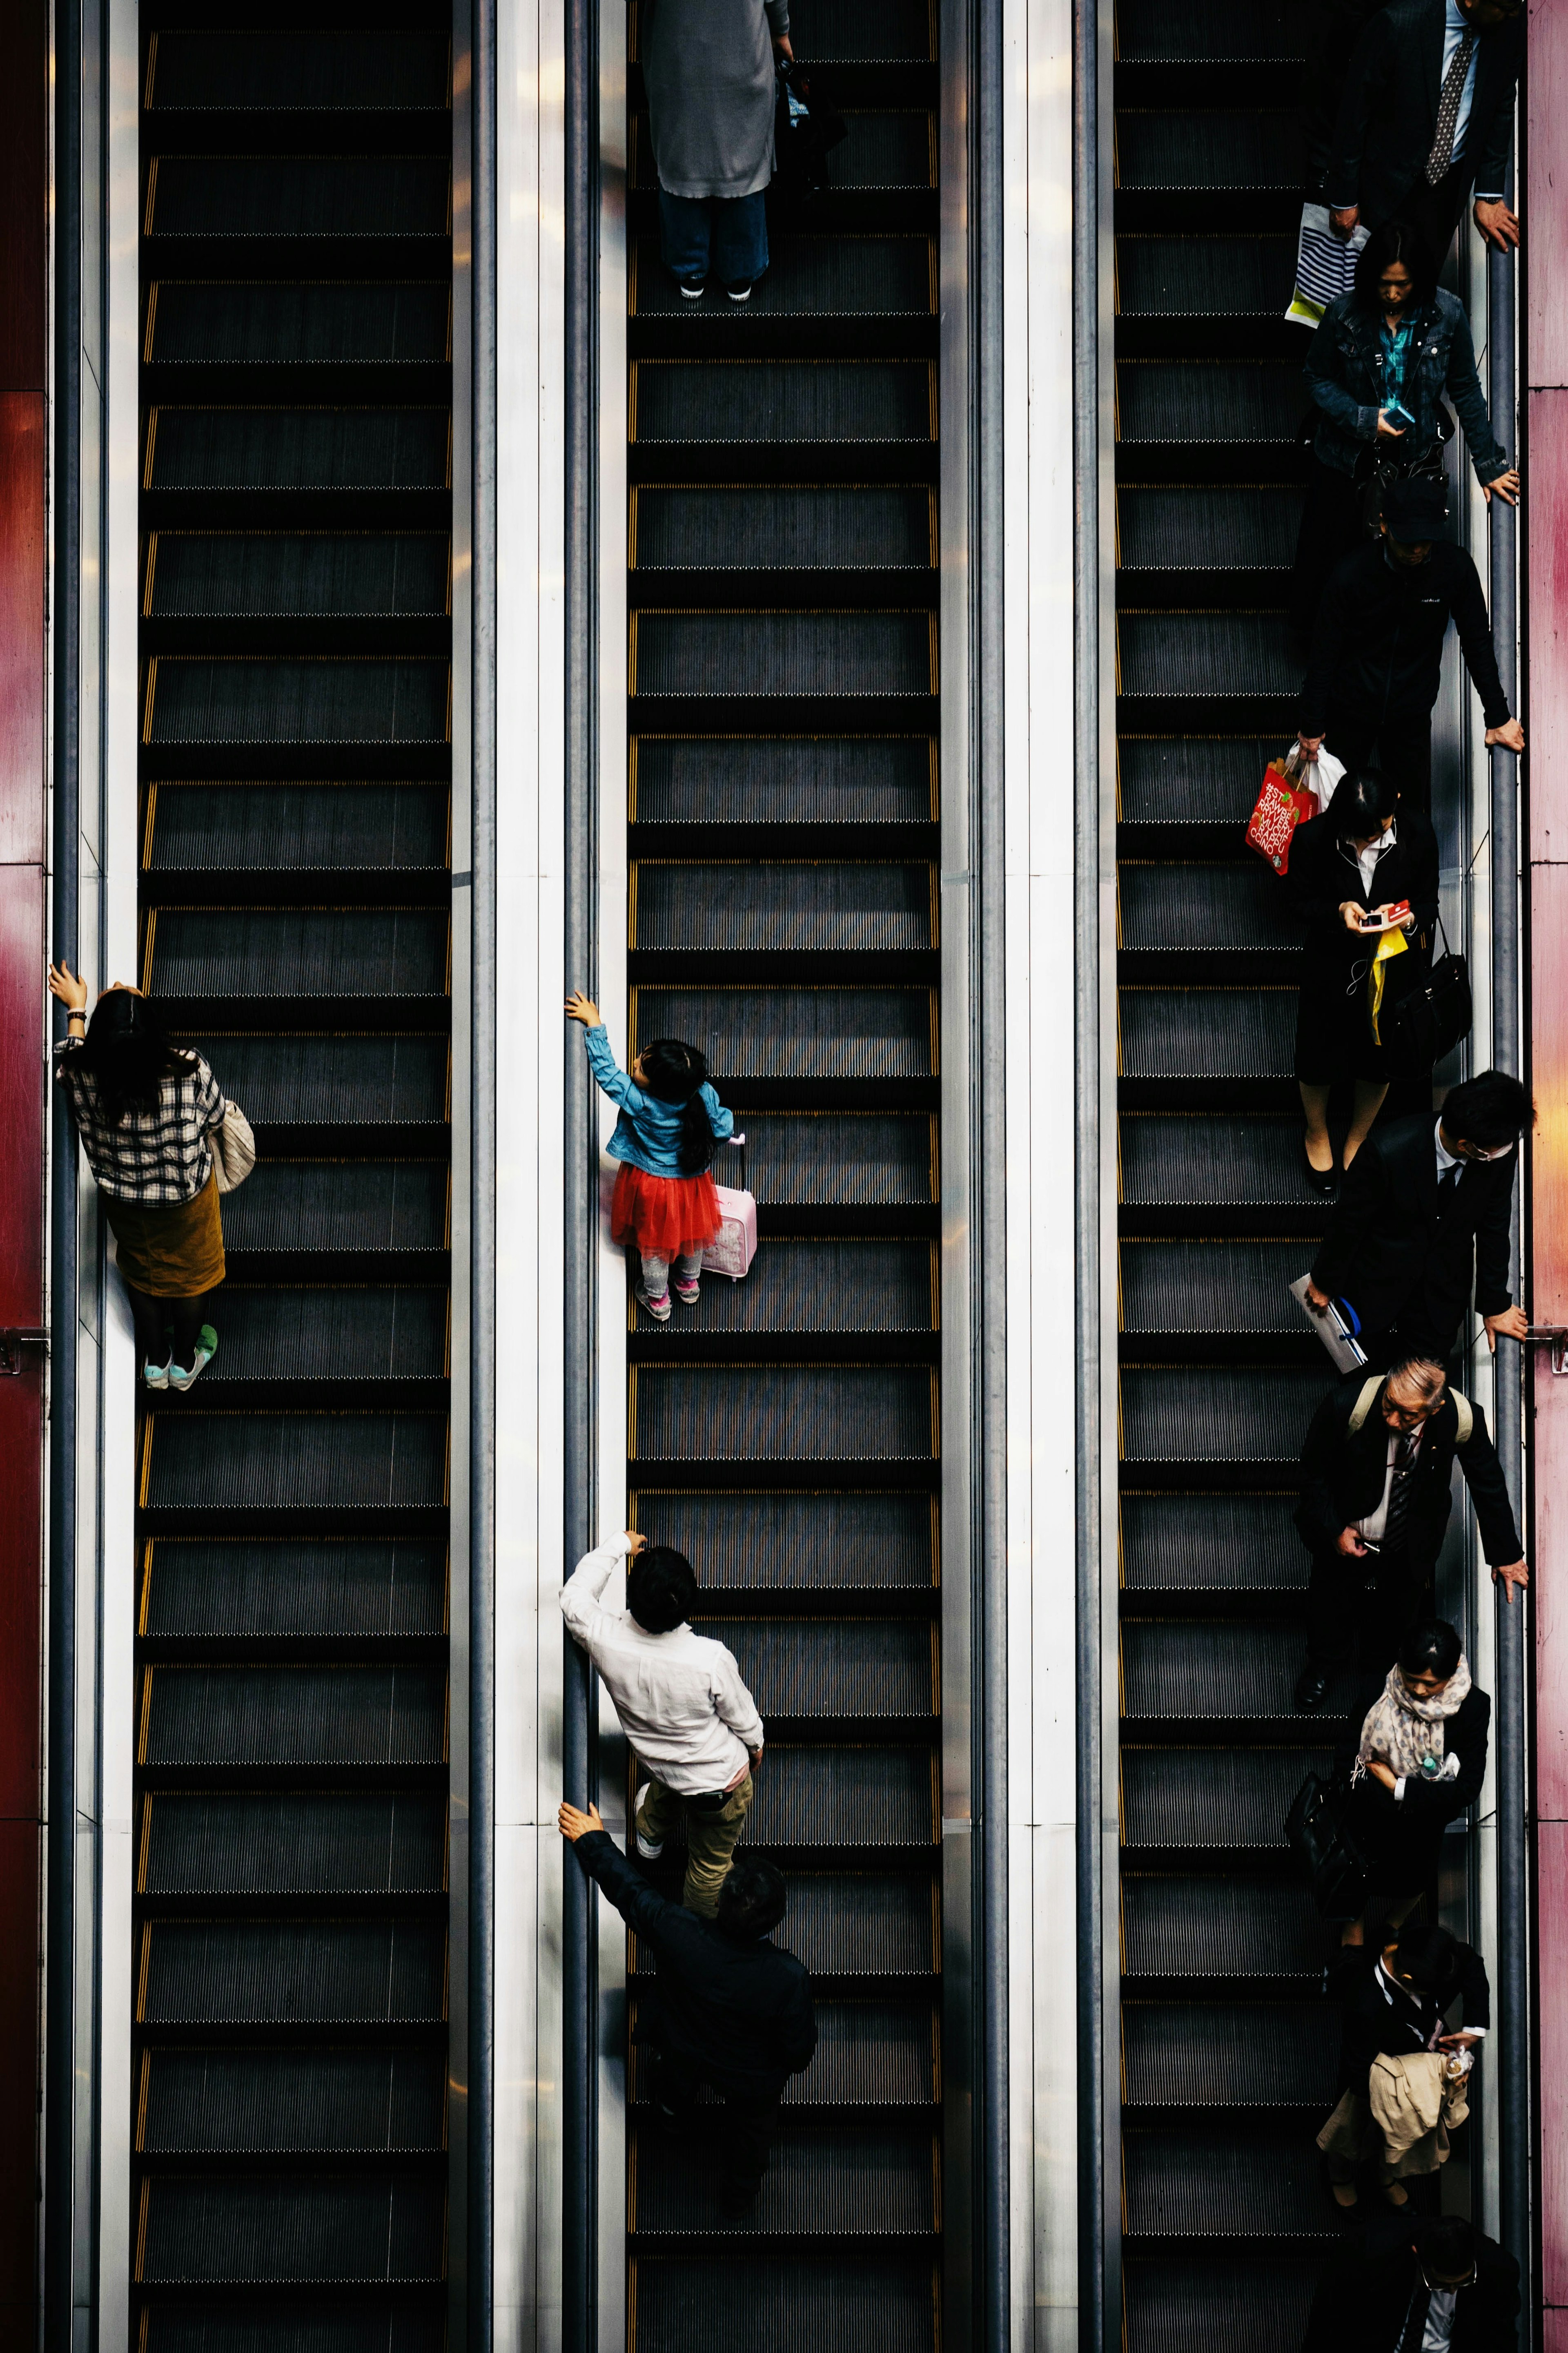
[1191, 2304]
[261, 324]
[284, 953]
[1230, 2054]
[817, 1286]
[1214, 529]
[822, 909]
[883, 1797]
[298, 196]
[777, 530]
[249, 2103]
[1203, 277]
[312, 1332]
[1218, 1413]
[291, 1205]
[1211, 1286]
[1210, 1544]
[1211, 149]
[798, 1033]
[807, 277]
[825, 1666]
[1178, 908]
[1222, 2183]
[253, 575]
[337, 2227]
[293, 1716]
[1206, 654]
[822, 2183]
[265, 1463]
[1206, 1033]
[345, 1081]
[299, 828]
[766, 1542]
[293, 1973]
[229, 1591]
[783, 1413]
[744, 654]
[854, 1924]
[1211, 1799]
[1175, 1668]
[191, 700]
[884, 151]
[329, 72]
[1229, 1926]
[834, 1160]
[296, 449]
[690, 401]
[1190, 779]
[1190, 1160]
[369, 1843]
[787, 780]
[1211, 32]
[872, 32]
[1257, 401]
[873, 2305]
[285, 2325]
[869, 2055]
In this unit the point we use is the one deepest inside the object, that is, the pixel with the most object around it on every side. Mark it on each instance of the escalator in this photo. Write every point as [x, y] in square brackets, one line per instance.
[289, 1995]
[786, 1433]
[1228, 2054]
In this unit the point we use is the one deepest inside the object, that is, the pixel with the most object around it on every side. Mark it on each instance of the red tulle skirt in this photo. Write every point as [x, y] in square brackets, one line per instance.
[670, 1217]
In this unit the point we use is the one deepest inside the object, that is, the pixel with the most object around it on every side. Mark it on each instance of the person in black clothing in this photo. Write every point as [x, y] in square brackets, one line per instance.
[1424, 1757]
[1334, 28]
[1422, 1211]
[1399, 2006]
[1347, 867]
[1376, 1493]
[1377, 650]
[729, 2008]
[1380, 2298]
[1425, 115]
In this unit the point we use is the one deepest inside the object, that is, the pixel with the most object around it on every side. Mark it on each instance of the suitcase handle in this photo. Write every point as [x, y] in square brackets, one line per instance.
[739, 1141]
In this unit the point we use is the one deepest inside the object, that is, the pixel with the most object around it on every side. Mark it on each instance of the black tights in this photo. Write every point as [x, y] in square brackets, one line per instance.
[154, 1317]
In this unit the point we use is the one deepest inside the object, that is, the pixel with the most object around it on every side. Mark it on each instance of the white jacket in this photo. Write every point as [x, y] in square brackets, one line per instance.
[680, 1696]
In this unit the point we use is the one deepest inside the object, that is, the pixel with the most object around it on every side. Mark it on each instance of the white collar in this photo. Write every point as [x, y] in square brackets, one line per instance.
[1445, 1159]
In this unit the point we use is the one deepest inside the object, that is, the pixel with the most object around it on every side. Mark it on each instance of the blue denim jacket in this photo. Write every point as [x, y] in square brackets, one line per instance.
[647, 1131]
[1345, 375]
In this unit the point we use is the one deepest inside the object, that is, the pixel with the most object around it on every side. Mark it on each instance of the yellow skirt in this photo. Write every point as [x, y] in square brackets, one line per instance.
[170, 1249]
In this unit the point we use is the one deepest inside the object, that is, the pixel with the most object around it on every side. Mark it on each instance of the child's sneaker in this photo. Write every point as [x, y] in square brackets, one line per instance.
[657, 1308]
[649, 1849]
[688, 1293]
[156, 1376]
[207, 1349]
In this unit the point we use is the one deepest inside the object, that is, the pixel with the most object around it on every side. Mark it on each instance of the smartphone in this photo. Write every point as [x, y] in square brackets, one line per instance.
[1397, 414]
[1398, 909]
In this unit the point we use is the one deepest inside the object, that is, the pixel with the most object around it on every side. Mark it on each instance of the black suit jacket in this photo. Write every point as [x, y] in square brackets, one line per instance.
[1376, 2302]
[1388, 113]
[1379, 2016]
[1396, 1246]
[1323, 873]
[1342, 1477]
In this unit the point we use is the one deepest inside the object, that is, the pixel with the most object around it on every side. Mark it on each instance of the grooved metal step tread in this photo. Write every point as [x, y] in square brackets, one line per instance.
[869, 32]
[264, 1845]
[1256, 1413]
[847, 2183]
[343, 1081]
[1206, 654]
[1210, 1544]
[826, 1666]
[1216, 2182]
[296, 2103]
[192, 698]
[1190, 779]
[834, 1160]
[738, 655]
[291, 1973]
[814, 1285]
[846, 1797]
[883, 150]
[292, 1716]
[235, 2322]
[287, 71]
[786, 780]
[859, 1923]
[798, 1033]
[1230, 2054]
[288, 952]
[783, 1413]
[259, 323]
[1191, 2304]
[298, 196]
[772, 529]
[1206, 1033]
[315, 1333]
[1211, 149]
[340, 2227]
[869, 2053]
[1180, 401]
[1203, 277]
[1215, 1286]
[1175, 1668]
[1199, 1160]
[268, 1590]
[693, 401]
[310, 575]
[297, 828]
[298, 1206]
[1177, 907]
[810, 277]
[873, 2303]
[777, 908]
[1177, 1925]
[817, 1542]
[1211, 32]
[206, 1462]
[1212, 529]
[1211, 1799]
[304, 449]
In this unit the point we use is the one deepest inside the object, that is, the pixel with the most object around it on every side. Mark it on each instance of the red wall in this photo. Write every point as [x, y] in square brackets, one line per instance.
[23, 263]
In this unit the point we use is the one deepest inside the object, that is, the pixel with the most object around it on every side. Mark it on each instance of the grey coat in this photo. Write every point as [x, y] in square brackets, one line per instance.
[708, 66]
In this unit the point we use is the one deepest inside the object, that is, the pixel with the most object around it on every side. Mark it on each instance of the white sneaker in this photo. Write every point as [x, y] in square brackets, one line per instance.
[649, 1849]
[156, 1376]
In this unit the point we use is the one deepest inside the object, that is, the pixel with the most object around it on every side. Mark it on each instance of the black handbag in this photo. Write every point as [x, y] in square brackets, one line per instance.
[1431, 1019]
[807, 124]
[1317, 1829]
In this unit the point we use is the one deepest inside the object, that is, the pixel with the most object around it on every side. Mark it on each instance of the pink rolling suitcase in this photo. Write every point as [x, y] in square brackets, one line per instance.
[735, 1246]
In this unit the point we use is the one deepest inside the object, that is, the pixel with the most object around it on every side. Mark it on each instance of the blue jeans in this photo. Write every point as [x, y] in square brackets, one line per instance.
[734, 227]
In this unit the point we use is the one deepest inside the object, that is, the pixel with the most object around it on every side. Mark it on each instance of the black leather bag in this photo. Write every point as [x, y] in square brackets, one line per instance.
[807, 124]
[1318, 1830]
[1431, 1019]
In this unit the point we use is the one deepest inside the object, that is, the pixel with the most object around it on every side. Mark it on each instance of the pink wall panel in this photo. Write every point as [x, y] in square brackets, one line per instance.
[1546, 208]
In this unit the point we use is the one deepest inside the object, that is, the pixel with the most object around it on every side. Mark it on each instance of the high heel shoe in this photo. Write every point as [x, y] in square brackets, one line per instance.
[1321, 1180]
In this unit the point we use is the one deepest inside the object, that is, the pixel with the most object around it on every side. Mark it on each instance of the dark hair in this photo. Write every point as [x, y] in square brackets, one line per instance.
[1489, 1109]
[1447, 2243]
[1433, 1648]
[128, 1052]
[1361, 802]
[752, 1900]
[677, 1073]
[1395, 241]
[661, 1589]
[1429, 1958]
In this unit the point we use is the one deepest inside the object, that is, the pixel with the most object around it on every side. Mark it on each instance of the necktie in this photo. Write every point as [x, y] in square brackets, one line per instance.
[1449, 99]
[1399, 1494]
[1449, 1181]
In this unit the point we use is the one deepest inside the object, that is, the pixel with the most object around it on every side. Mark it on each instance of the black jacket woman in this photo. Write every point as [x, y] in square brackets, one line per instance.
[1347, 867]
[1422, 1760]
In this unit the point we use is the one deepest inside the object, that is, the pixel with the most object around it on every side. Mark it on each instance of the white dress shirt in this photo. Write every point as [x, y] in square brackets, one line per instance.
[1371, 1529]
[1438, 2334]
[1455, 26]
[680, 1696]
[1369, 858]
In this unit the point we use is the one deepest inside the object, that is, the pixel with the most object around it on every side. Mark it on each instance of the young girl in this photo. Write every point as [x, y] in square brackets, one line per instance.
[665, 1203]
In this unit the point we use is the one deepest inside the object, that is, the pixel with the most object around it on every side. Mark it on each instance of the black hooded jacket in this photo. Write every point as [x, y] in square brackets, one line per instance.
[1377, 648]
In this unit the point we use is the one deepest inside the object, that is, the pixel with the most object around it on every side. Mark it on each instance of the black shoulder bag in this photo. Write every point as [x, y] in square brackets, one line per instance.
[1318, 1830]
[1427, 1020]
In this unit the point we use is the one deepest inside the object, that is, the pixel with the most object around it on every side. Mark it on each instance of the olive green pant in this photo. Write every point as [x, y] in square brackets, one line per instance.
[711, 1831]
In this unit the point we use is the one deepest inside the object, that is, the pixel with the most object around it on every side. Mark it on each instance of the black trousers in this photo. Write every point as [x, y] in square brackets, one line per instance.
[1332, 526]
[1434, 213]
[747, 2128]
[1366, 1603]
[1401, 748]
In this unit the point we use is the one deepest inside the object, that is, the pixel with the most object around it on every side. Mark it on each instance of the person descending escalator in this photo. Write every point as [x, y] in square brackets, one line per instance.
[1444, 2287]
[1403, 2067]
[708, 69]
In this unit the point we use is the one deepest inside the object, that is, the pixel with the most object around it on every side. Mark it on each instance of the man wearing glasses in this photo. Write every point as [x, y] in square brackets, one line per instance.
[1448, 2290]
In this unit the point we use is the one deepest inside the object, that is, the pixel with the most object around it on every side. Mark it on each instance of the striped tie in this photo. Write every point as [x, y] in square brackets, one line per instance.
[1399, 1494]
[1449, 99]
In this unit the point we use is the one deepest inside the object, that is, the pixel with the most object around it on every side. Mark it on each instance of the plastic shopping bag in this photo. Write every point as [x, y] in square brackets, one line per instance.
[1325, 266]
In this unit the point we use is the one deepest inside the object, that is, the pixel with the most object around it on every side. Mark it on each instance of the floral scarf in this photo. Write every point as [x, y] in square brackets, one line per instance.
[1409, 1730]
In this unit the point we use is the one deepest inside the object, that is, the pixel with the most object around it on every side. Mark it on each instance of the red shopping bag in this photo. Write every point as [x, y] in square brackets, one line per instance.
[1282, 806]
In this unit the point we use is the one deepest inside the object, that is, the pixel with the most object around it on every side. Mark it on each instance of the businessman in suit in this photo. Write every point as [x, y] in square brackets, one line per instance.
[1422, 1215]
[1425, 115]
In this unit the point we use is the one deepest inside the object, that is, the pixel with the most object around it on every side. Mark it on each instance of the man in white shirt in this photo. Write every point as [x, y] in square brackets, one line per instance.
[1448, 2290]
[688, 1716]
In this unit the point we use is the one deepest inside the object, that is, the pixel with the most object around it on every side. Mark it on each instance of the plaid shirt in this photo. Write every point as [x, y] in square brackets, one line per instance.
[153, 1156]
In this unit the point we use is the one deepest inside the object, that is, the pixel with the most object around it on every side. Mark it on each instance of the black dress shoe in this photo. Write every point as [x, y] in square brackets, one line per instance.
[1311, 1687]
[1321, 1180]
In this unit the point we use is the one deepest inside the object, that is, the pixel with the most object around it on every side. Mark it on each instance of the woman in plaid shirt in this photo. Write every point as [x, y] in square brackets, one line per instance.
[146, 1112]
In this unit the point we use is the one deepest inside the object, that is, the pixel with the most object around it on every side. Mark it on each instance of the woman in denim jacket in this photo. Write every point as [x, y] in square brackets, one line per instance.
[1398, 338]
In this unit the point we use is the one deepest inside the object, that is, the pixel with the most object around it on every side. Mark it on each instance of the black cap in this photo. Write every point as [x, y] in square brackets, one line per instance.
[1417, 509]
